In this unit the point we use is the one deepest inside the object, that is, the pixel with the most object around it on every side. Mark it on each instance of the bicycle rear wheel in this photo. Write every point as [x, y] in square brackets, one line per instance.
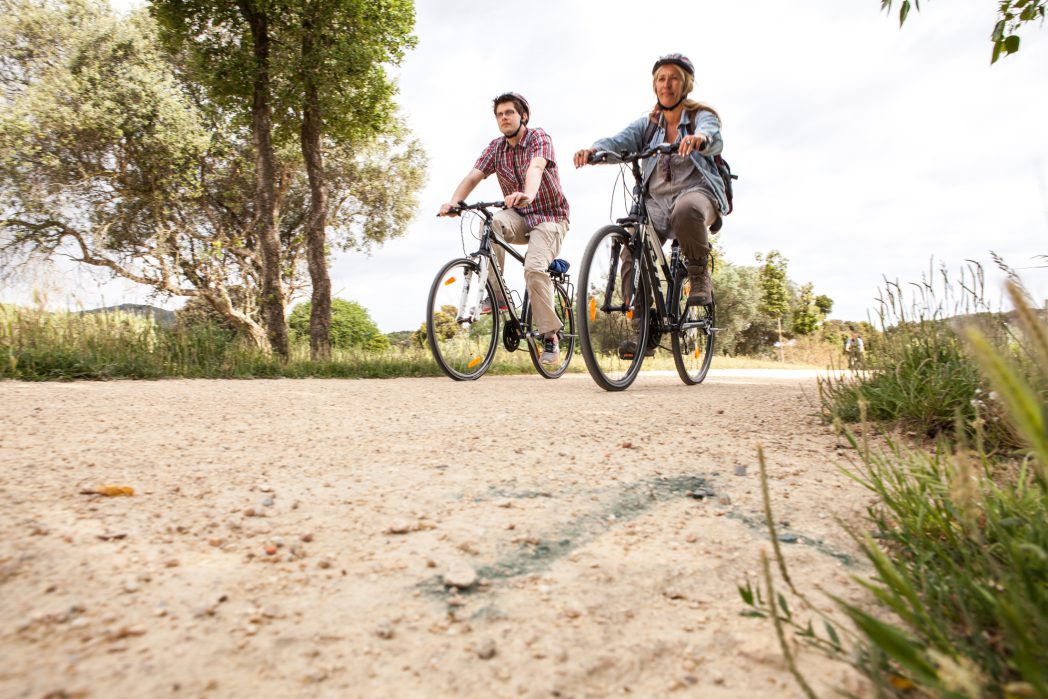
[693, 339]
[463, 340]
[564, 310]
[606, 327]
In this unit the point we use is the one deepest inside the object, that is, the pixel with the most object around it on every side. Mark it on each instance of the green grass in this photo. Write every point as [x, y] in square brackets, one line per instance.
[37, 345]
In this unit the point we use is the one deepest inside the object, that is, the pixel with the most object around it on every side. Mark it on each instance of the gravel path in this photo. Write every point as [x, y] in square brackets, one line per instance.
[297, 538]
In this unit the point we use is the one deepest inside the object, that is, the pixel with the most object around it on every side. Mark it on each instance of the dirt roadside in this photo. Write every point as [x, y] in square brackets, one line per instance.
[292, 538]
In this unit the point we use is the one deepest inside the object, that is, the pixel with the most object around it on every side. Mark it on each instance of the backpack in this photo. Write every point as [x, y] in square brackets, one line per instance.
[723, 169]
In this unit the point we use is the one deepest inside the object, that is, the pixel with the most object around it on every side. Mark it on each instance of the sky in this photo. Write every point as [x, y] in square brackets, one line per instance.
[865, 152]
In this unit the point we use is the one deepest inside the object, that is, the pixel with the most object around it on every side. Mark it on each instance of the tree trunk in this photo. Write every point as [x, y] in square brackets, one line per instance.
[316, 221]
[782, 355]
[272, 302]
[242, 322]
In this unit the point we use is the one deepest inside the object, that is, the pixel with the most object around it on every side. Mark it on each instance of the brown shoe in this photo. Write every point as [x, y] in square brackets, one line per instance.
[628, 349]
[701, 292]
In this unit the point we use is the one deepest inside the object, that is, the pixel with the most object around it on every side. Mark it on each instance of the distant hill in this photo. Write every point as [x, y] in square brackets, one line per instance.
[162, 317]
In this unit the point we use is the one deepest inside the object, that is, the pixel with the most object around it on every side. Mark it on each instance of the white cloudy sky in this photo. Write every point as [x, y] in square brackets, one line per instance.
[863, 150]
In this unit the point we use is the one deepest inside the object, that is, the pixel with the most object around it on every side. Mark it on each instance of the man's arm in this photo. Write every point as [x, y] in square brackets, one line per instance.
[467, 185]
[532, 180]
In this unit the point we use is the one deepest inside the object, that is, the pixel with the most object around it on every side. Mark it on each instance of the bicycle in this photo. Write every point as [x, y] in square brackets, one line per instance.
[463, 335]
[611, 313]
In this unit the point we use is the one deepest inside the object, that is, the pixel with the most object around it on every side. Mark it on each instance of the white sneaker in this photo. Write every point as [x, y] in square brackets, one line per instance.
[550, 349]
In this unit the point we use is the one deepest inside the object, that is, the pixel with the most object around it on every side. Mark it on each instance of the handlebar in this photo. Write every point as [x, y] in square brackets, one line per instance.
[608, 156]
[477, 206]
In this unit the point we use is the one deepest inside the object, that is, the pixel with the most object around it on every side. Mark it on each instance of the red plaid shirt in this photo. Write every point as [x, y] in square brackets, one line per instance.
[510, 164]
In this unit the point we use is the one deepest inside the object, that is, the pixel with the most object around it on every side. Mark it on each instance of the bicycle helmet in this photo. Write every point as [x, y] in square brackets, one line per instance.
[677, 59]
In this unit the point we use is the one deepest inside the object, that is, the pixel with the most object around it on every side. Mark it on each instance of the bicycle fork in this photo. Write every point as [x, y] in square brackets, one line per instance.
[469, 303]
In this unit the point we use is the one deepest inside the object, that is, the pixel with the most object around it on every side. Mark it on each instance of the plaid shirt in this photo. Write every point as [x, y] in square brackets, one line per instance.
[510, 164]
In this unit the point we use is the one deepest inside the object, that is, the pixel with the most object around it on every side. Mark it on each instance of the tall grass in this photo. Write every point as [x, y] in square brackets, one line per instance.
[920, 376]
[960, 542]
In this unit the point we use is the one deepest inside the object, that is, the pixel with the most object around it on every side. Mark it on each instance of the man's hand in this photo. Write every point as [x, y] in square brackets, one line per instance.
[691, 143]
[582, 157]
[446, 209]
[517, 200]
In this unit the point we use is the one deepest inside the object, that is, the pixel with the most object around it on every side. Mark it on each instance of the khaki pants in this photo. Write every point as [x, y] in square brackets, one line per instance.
[543, 243]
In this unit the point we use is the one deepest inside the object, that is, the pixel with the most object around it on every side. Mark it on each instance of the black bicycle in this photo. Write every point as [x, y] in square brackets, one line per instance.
[466, 311]
[625, 309]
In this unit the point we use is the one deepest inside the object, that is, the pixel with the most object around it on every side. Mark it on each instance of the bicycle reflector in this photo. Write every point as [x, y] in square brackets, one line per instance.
[449, 281]
[474, 362]
[593, 308]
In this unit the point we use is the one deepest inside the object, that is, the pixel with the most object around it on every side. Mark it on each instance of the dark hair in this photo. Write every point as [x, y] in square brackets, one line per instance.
[518, 101]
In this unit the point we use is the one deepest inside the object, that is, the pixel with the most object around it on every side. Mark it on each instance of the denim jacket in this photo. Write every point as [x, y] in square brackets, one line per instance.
[706, 123]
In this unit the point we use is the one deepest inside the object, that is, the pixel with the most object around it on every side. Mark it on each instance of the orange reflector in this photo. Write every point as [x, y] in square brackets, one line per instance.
[593, 308]
[698, 353]
[475, 362]
[449, 280]
[629, 314]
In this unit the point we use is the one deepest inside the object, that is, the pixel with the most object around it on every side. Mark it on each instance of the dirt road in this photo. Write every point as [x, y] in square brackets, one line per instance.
[297, 538]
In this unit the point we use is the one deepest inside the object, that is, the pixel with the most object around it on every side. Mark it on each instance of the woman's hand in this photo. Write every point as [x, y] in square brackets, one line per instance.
[691, 143]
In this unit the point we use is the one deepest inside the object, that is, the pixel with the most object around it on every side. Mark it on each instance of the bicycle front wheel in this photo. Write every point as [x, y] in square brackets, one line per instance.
[612, 336]
[566, 313]
[462, 338]
[693, 338]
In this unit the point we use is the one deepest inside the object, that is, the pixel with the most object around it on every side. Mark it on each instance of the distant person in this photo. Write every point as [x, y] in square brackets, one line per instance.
[854, 348]
[537, 210]
[684, 192]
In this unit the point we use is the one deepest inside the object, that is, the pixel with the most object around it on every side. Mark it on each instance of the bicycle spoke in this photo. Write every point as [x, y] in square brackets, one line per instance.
[462, 337]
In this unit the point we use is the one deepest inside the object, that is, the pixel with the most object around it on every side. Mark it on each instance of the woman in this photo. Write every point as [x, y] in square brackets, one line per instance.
[684, 192]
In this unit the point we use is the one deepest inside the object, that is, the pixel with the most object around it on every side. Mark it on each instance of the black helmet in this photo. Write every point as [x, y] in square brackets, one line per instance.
[677, 59]
[517, 99]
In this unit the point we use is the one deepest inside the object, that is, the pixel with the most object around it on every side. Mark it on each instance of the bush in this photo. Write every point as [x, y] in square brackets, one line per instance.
[351, 326]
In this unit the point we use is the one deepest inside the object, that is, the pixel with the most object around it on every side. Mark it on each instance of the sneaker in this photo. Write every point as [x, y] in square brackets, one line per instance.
[628, 350]
[485, 306]
[550, 349]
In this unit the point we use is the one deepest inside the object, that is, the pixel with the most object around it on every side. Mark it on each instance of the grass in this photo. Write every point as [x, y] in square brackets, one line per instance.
[36, 345]
[959, 541]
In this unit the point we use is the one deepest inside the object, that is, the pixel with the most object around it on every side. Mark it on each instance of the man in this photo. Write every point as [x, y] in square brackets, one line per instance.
[537, 211]
[683, 192]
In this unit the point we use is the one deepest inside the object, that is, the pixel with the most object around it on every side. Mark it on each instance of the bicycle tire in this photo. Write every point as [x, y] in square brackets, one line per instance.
[462, 350]
[562, 304]
[602, 332]
[693, 339]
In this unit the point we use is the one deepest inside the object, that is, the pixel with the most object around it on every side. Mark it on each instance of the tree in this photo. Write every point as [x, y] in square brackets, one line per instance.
[775, 296]
[316, 69]
[824, 304]
[738, 302]
[103, 157]
[1011, 16]
[351, 326]
[806, 316]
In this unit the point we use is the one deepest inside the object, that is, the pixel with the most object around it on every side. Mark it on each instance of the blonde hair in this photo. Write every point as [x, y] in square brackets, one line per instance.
[690, 105]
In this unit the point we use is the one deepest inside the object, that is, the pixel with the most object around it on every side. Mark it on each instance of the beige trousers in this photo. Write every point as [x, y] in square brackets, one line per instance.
[543, 243]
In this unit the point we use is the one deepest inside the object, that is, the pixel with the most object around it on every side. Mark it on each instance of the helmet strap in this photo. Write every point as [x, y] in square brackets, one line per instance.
[675, 105]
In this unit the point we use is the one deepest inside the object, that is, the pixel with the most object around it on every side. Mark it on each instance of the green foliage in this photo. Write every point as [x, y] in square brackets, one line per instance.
[738, 295]
[775, 297]
[806, 314]
[1011, 16]
[920, 373]
[351, 326]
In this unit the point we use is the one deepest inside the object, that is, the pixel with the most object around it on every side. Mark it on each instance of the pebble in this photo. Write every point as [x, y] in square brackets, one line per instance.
[385, 631]
[324, 563]
[271, 549]
[463, 577]
[131, 586]
[740, 470]
[487, 650]
[788, 538]
[307, 537]
[400, 526]
[266, 488]
[268, 502]
[724, 500]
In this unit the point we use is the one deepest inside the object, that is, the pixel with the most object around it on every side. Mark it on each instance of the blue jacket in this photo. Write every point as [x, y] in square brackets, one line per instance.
[631, 139]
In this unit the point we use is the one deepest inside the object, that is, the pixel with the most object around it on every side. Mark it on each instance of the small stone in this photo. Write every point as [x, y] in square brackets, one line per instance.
[316, 676]
[78, 623]
[268, 502]
[487, 650]
[724, 500]
[324, 563]
[400, 526]
[173, 563]
[385, 631]
[307, 537]
[788, 538]
[627, 445]
[271, 549]
[250, 512]
[462, 576]
[131, 586]
[266, 488]
[740, 470]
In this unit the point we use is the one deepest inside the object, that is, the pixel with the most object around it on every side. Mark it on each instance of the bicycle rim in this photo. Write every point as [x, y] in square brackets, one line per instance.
[604, 325]
[564, 310]
[463, 340]
[693, 339]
